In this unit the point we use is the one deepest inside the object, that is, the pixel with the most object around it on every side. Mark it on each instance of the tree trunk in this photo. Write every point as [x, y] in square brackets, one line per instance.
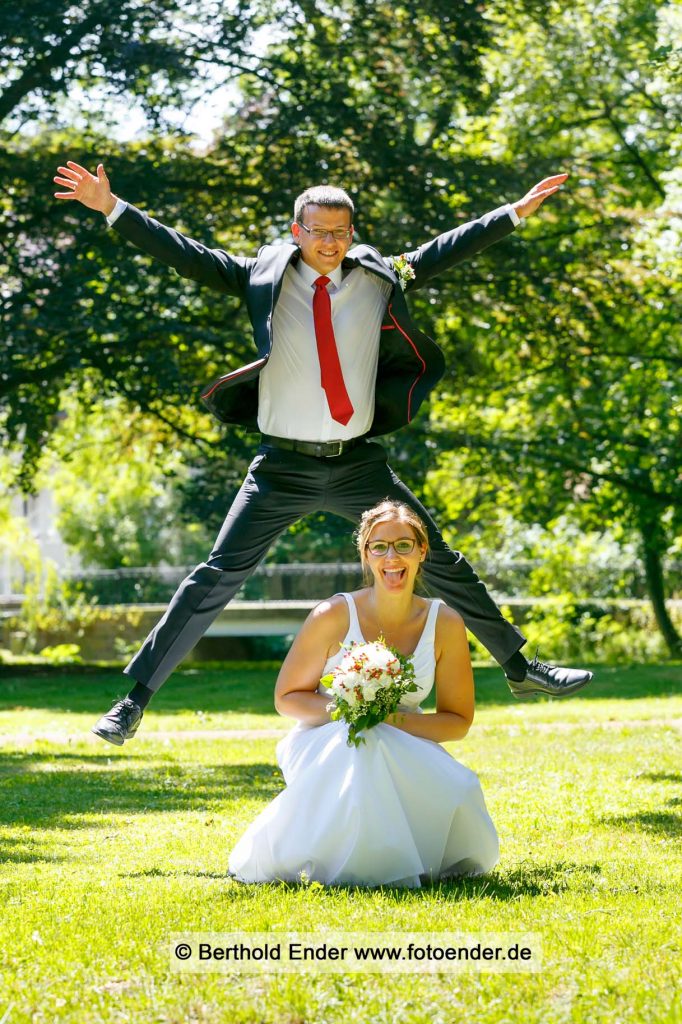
[653, 547]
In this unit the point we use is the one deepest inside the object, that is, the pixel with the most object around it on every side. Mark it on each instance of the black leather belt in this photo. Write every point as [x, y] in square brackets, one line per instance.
[319, 449]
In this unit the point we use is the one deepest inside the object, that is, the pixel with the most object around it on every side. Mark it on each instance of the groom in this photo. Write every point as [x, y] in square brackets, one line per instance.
[339, 361]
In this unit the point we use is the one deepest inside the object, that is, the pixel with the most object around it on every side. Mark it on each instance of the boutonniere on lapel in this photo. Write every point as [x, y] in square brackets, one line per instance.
[403, 269]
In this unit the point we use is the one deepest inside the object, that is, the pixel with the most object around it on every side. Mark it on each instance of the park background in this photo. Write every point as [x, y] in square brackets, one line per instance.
[550, 451]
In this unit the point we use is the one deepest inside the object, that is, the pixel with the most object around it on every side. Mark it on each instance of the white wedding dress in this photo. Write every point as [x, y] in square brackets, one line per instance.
[397, 810]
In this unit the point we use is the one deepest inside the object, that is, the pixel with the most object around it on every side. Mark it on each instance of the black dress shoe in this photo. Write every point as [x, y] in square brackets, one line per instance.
[551, 679]
[119, 724]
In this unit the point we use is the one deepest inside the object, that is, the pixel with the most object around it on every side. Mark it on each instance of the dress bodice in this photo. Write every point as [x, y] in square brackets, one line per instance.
[423, 658]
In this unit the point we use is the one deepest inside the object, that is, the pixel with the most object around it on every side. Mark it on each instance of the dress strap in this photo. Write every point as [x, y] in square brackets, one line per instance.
[354, 631]
[429, 632]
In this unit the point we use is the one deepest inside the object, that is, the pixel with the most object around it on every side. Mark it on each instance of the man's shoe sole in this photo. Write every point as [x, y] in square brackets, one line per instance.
[118, 741]
[529, 694]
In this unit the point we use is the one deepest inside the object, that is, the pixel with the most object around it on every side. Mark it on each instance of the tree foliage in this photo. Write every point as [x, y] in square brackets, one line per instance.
[152, 52]
[563, 342]
[75, 299]
[113, 473]
[583, 352]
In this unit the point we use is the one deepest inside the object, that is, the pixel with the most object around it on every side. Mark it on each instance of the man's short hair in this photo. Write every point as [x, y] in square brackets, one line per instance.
[323, 195]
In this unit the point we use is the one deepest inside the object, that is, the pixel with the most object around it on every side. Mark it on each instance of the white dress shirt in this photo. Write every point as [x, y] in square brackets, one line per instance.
[291, 401]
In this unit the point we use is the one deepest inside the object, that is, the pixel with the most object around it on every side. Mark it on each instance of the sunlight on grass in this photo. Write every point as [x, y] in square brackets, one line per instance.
[106, 852]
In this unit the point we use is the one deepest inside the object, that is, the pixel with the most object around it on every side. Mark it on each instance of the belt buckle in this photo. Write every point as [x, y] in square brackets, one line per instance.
[334, 455]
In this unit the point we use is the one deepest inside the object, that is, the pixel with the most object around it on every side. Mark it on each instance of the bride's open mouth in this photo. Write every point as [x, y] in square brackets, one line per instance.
[394, 574]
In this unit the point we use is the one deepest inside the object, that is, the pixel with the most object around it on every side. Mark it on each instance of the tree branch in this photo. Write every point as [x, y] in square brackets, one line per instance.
[556, 456]
[633, 151]
[38, 71]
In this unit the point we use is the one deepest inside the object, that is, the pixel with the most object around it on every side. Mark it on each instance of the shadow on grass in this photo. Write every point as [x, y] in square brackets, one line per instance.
[250, 690]
[161, 873]
[526, 880]
[237, 690]
[667, 823]
[27, 850]
[661, 822]
[67, 793]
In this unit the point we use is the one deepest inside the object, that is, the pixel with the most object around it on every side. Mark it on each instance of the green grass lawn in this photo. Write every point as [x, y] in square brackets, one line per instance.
[106, 852]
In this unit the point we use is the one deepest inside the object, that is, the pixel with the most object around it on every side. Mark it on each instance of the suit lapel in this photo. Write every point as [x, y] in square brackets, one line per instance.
[367, 257]
[275, 259]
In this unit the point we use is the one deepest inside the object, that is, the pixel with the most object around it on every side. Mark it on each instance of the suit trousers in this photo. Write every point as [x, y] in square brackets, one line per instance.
[279, 489]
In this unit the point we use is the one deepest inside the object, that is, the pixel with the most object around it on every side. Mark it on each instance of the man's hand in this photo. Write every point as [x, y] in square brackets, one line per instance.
[93, 192]
[537, 195]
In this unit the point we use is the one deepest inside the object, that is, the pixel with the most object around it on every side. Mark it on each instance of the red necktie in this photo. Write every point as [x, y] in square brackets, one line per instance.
[331, 377]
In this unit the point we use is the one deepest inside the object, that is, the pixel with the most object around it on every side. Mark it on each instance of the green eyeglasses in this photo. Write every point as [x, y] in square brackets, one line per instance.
[403, 546]
[340, 234]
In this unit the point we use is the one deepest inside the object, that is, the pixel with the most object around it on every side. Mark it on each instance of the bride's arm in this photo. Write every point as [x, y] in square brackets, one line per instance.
[454, 686]
[300, 674]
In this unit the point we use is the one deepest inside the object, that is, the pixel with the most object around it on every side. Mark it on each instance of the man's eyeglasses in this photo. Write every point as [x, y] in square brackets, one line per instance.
[340, 234]
[404, 546]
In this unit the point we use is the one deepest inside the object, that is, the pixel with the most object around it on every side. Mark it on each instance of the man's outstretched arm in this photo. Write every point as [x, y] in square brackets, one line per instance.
[453, 247]
[213, 267]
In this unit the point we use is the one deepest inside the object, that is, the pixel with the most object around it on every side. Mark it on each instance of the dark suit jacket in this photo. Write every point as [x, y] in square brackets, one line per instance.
[410, 363]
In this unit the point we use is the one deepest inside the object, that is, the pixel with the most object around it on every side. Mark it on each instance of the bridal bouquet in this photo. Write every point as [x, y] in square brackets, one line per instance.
[368, 685]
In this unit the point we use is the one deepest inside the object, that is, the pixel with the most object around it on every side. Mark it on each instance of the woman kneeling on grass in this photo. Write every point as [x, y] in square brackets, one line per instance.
[395, 809]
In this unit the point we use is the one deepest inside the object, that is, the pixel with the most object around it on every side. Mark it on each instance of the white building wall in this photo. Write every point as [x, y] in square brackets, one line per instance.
[39, 513]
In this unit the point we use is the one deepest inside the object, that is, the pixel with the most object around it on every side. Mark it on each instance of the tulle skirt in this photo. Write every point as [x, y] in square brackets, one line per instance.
[397, 810]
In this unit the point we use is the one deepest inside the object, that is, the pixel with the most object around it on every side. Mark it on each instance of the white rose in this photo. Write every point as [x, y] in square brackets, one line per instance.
[350, 697]
[370, 689]
[337, 689]
[354, 660]
[341, 687]
[385, 680]
[380, 657]
[346, 663]
[351, 680]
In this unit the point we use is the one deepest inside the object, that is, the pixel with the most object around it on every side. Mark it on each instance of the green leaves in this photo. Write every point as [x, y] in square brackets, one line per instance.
[563, 342]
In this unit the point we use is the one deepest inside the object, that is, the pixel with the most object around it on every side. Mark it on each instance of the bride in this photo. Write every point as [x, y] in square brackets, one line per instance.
[398, 809]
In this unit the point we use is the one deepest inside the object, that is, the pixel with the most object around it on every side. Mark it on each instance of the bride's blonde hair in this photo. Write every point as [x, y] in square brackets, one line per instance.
[386, 511]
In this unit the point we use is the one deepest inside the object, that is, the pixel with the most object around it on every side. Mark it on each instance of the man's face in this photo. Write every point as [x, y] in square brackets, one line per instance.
[325, 253]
